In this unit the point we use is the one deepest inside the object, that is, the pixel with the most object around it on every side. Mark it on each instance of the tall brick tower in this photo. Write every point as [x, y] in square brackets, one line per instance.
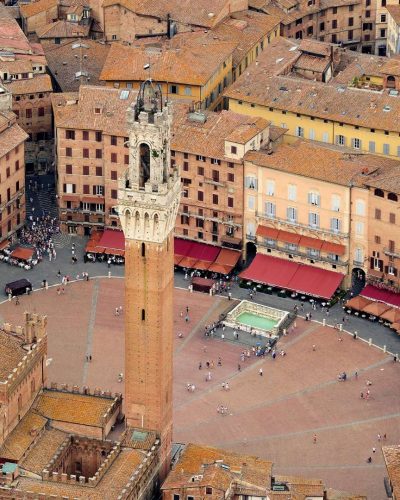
[148, 201]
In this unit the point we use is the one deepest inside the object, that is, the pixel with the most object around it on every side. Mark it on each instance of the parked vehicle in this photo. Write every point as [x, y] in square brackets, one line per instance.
[18, 287]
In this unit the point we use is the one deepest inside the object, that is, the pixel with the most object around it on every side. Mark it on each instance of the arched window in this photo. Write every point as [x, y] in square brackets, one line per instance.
[391, 82]
[379, 192]
[393, 197]
[144, 164]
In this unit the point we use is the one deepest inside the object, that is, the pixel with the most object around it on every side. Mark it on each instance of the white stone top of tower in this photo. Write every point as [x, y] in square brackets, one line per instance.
[149, 193]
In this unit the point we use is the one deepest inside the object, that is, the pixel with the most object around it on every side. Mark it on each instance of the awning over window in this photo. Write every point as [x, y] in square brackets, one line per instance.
[22, 253]
[334, 248]
[267, 232]
[225, 262]
[288, 237]
[112, 242]
[93, 199]
[308, 242]
[95, 237]
[382, 295]
[291, 275]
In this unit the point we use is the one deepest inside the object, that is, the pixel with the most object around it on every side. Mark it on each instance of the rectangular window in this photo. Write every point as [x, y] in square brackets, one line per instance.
[251, 203]
[335, 203]
[214, 161]
[68, 169]
[371, 146]
[98, 136]
[113, 140]
[377, 240]
[200, 195]
[86, 189]
[113, 157]
[351, 21]
[378, 213]
[17, 165]
[335, 224]
[292, 192]
[250, 182]
[270, 188]
[85, 135]
[85, 170]
[359, 228]
[360, 207]
[392, 218]
[28, 113]
[356, 143]
[341, 140]
[292, 215]
[85, 153]
[231, 177]
[313, 219]
[215, 175]
[300, 131]
[270, 209]
[186, 166]
[70, 134]
[99, 154]
[215, 199]
[200, 158]
[8, 172]
[230, 202]
[325, 137]
[311, 134]
[68, 151]
[173, 89]
[233, 150]
[200, 170]
[334, 24]
[99, 171]
[126, 159]
[114, 194]
[114, 175]
[99, 190]
[386, 149]
[69, 188]
[314, 199]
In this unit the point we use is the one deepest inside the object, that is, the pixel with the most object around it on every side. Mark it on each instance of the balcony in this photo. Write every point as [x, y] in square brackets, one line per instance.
[225, 220]
[299, 253]
[288, 224]
[214, 182]
[358, 263]
[391, 252]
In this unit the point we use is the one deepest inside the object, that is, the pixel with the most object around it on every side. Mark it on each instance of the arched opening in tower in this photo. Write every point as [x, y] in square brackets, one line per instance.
[144, 164]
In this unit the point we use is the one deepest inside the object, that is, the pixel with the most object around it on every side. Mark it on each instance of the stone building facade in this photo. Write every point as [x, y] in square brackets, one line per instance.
[12, 171]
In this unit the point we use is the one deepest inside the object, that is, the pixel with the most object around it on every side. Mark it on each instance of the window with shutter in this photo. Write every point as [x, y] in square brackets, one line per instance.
[292, 192]
[371, 146]
[270, 188]
[335, 225]
[341, 140]
[291, 214]
[270, 209]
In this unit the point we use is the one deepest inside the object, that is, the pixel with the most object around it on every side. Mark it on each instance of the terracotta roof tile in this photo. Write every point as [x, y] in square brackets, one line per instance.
[394, 11]
[63, 64]
[326, 101]
[11, 350]
[42, 451]
[80, 113]
[309, 62]
[12, 37]
[109, 487]
[33, 8]
[189, 58]
[39, 83]
[73, 408]
[17, 66]
[22, 437]
[208, 138]
[318, 161]
[391, 454]
[63, 29]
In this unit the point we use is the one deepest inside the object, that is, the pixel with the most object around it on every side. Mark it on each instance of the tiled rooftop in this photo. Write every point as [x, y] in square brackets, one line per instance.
[326, 101]
[63, 64]
[63, 29]
[42, 451]
[241, 468]
[11, 350]
[39, 83]
[209, 138]
[12, 37]
[82, 115]
[73, 408]
[189, 58]
[33, 8]
[318, 161]
[16, 66]
[22, 437]
[394, 11]
[391, 455]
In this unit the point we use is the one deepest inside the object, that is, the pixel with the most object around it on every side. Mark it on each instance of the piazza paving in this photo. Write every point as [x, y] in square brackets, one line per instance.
[274, 416]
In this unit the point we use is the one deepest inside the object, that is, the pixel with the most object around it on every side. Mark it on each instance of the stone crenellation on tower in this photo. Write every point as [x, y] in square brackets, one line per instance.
[148, 201]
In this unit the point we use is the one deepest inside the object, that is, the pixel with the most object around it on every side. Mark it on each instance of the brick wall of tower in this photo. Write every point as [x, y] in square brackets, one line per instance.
[149, 341]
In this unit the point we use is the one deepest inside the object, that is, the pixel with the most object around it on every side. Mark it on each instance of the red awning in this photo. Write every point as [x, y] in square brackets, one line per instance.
[182, 247]
[382, 295]
[270, 271]
[204, 252]
[194, 254]
[315, 281]
[93, 242]
[308, 242]
[202, 265]
[22, 253]
[4, 244]
[93, 199]
[226, 261]
[267, 232]
[334, 248]
[289, 237]
[112, 242]
[293, 276]
[70, 198]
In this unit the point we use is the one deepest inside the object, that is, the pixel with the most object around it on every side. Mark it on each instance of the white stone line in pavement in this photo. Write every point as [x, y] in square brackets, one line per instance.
[92, 320]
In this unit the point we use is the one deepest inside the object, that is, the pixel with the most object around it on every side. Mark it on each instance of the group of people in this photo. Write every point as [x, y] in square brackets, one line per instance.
[39, 233]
